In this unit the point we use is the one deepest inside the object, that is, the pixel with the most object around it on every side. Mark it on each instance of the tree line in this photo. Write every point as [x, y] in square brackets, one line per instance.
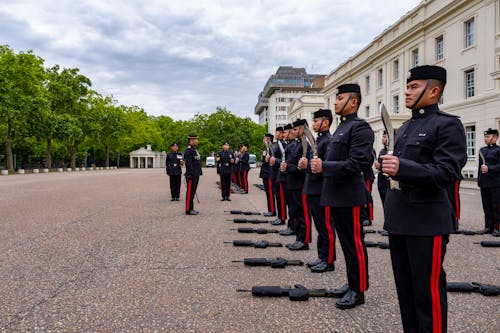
[51, 117]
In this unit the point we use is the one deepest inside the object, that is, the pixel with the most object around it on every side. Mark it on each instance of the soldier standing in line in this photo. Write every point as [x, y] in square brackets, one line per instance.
[489, 181]
[225, 160]
[369, 176]
[244, 167]
[344, 194]
[295, 177]
[193, 172]
[429, 153]
[288, 137]
[173, 166]
[382, 180]
[312, 189]
[280, 187]
[265, 174]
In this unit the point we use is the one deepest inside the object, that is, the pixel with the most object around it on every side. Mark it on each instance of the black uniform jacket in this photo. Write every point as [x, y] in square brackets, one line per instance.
[314, 181]
[224, 164]
[278, 155]
[432, 151]
[265, 168]
[192, 161]
[347, 155]
[294, 176]
[368, 173]
[243, 164]
[491, 178]
[173, 163]
[382, 180]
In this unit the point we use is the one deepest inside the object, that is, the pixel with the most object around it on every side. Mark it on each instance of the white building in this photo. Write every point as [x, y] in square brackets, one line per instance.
[462, 36]
[147, 158]
[304, 107]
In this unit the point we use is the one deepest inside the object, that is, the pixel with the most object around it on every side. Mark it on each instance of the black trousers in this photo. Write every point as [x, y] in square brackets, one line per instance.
[325, 228]
[367, 212]
[225, 185]
[491, 207]
[347, 221]
[297, 220]
[244, 179]
[268, 188]
[279, 193]
[417, 263]
[192, 185]
[175, 185]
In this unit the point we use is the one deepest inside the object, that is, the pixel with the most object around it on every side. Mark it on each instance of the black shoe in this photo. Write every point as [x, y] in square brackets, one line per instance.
[495, 233]
[192, 212]
[223, 199]
[323, 266]
[177, 199]
[297, 246]
[314, 263]
[487, 231]
[227, 199]
[350, 300]
[267, 214]
[367, 223]
[287, 232]
[340, 292]
[173, 199]
[277, 222]
[384, 232]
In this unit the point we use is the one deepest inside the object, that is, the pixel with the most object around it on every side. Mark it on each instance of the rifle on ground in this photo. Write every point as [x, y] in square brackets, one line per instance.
[298, 293]
[257, 231]
[469, 232]
[489, 243]
[466, 287]
[257, 244]
[273, 263]
[380, 245]
[254, 221]
[241, 212]
[369, 231]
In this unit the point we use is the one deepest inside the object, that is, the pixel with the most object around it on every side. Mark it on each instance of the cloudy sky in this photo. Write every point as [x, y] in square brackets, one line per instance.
[181, 57]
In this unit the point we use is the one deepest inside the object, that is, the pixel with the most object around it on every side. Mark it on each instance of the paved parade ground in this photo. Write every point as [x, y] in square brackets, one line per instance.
[106, 251]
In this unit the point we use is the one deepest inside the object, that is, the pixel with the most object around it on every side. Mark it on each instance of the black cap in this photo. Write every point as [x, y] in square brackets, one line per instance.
[225, 143]
[288, 127]
[245, 144]
[385, 132]
[491, 131]
[279, 128]
[323, 113]
[349, 88]
[270, 136]
[192, 136]
[174, 144]
[427, 72]
[299, 122]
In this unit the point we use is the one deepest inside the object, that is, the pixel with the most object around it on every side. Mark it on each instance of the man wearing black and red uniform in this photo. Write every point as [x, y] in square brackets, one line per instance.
[173, 165]
[265, 174]
[429, 153]
[278, 190]
[244, 167]
[225, 160]
[344, 191]
[193, 172]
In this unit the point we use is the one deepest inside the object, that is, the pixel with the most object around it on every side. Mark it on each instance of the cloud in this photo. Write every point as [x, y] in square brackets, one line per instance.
[179, 58]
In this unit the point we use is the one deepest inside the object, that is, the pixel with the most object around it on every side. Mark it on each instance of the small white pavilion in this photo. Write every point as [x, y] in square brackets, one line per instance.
[147, 158]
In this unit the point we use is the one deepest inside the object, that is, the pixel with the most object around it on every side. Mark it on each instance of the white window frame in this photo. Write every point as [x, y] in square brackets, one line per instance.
[470, 89]
[414, 57]
[470, 34]
[439, 43]
[471, 137]
[395, 70]
[395, 102]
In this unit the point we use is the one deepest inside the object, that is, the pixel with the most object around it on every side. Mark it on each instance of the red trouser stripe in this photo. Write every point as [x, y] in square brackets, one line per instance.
[331, 239]
[245, 179]
[271, 194]
[188, 194]
[359, 248]
[457, 199]
[370, 204]
[437, 325]
[240, 183]
[282, 202]
[307, 219]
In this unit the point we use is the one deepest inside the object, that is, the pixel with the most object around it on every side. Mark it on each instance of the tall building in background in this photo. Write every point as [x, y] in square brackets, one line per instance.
[280, 90]
[461, 36]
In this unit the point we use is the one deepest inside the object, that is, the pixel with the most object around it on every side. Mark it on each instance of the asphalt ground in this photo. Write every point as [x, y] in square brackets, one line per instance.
[106, 251]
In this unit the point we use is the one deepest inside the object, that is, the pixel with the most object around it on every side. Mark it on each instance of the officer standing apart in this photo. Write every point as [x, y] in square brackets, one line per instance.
[173, 166]
[322, 119]
[429, 153]
[489, 181]
[225, 160]
[193, 172]
[344, 193]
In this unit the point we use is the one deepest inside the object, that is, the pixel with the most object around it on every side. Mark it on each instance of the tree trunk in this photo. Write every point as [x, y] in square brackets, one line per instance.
[8, 149]
[48, 154]
[72, 150]
[106, 149]
[117, 159]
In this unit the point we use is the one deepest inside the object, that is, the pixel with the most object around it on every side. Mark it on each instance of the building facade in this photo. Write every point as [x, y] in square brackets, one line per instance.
[279, 92]
[147, 158]
[461, 36]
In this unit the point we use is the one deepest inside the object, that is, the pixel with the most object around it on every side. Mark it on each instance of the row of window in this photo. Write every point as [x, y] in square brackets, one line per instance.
[284, 99]
[281, 108]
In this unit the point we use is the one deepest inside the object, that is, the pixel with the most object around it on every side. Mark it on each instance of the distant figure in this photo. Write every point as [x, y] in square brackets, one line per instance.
[173, 166]
[193, 172]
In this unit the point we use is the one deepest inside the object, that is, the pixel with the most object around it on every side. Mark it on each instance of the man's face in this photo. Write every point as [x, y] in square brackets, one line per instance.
[412, 93]
[194, 142]
[340, 101]
[384, 139]
[317, 124]
[286, 134]
[225, 147]
[175, 148]
[490, 139]
[278, 135]
[293, 133]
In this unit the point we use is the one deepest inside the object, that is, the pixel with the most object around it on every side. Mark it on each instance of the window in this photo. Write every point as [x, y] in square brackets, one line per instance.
[470, 132]
[281, 117]
[282, 108]
[470, 33]
[367, 82]
[439, 48]
[395, 70]
[469, 83]
[367, 111]
[395, 103]
[414, 58]
[468, 173]
[378, 105]
[380, 77]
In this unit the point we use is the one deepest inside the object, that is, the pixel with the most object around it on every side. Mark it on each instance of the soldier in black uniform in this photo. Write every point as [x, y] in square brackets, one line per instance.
[225, 160]
[295, 177]
[265, 174]
[343, 193]
[173, 166]
[193, 172]
[244, 167]
[274, 169]
[312, 189]
[382, 179]
[369, 176]
[288, 136]
[489, 181]
[429, 153]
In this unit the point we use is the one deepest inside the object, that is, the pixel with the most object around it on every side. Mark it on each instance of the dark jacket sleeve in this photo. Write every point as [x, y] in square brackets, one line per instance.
[188, 160]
